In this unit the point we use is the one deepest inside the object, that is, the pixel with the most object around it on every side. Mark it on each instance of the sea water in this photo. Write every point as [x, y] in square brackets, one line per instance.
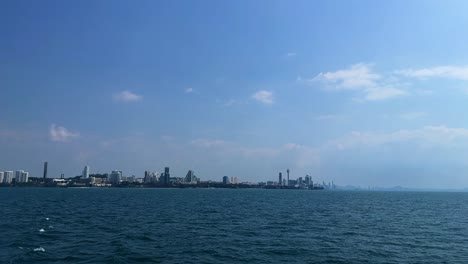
[52, 225]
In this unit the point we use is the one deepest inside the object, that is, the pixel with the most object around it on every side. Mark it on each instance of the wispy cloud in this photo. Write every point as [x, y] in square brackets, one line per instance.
[449, 72]
[232, 102]
[424, 92]
[188, 90]
[61, 134]
[265, 97]
[208, 143]
[428, 136]
[303, 155]
[291, 54]
[357, 77]
[412, 115]
[327, 117]
[232, 148]
[127, 96]
[382, 93]
[167, 138]
[361, 78]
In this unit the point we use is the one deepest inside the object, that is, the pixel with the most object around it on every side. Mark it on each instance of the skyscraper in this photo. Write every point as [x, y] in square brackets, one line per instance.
[288, 176]
[225, 180]
[233, 179]
[7, 176]
[147, 178]
[189, 177]
[308, 179]
[280, 179]
[1, 177]
[18, 174]
[24, 176]
[21, 176]
[167, 176]
[86, 172]
[115, 177]
[45, 170]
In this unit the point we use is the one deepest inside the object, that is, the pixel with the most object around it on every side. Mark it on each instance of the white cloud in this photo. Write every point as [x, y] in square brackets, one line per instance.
[382, 93]
[188, 90]
[127, 96]
[412, 115]
[61, 134]
[361, 78]
[291, 54]
[265, 97]
[357, 77]
[449, 72]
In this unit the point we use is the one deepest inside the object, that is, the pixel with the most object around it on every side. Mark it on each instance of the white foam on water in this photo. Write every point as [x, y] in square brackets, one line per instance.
[51, 227]
[47, 218]
[20, 247]
[39, 249]
[41, 230]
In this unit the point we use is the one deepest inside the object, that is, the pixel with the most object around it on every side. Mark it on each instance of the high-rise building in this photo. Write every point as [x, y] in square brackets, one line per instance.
[280, 179]
[147, 178]
[233, 179]
[131, 179]
[225, 180]
[299, 181]
[115, 177]
[167, 176]
[24, 176]
[45, 170]
[18, 174]
[85, 174]
[21, 176]
[1, 177]
[189, 178]
[308, 180]
[8, 177]
[287, 171]
[162, 178]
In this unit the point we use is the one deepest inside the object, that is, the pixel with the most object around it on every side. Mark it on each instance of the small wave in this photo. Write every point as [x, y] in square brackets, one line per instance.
[41, 230]
[51, 227]
[39, 249]
[47, 218]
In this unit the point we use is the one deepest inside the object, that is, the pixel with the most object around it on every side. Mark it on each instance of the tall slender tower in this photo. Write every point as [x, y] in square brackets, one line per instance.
[167, 176]
[280, 179]
[45, 170]
[287, 171]
[85, 172]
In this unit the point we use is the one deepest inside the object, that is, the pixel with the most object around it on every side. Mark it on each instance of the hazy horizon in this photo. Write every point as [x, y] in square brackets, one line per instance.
[365, 93]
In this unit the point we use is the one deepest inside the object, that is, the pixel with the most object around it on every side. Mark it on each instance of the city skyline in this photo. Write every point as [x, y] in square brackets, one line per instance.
[117, 178]
[361, 93]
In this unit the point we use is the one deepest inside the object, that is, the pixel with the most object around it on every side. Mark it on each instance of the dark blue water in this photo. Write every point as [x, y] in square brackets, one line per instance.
[46, 225]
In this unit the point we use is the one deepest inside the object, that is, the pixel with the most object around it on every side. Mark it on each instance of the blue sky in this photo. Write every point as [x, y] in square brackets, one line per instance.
[359, 92]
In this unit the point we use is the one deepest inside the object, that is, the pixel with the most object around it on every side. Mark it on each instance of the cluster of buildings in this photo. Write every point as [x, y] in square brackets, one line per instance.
[299, 182]
[232, 181]
[19, 176]
[117, 178]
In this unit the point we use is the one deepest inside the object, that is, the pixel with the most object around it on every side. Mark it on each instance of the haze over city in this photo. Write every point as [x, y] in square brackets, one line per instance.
[372, 97]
